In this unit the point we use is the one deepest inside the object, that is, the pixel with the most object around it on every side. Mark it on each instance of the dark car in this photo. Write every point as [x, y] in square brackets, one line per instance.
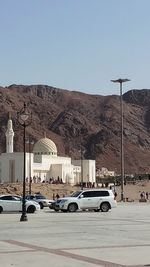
[53, 206]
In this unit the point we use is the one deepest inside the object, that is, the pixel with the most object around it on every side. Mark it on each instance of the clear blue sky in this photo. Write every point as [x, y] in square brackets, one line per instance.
[75, 44]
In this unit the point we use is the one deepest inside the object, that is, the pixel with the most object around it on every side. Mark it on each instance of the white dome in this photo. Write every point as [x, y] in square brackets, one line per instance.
[45, 146]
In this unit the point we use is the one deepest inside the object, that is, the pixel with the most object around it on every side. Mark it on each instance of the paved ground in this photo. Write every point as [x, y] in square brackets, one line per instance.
[120, 237]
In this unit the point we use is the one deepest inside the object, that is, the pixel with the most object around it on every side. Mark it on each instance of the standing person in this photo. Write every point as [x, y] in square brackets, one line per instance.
[141, 195]
[144, 195]
[147, 195]
[115, 194]
[57, 196]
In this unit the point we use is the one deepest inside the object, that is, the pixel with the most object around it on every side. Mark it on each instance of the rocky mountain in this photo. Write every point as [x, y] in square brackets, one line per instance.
[79, 122]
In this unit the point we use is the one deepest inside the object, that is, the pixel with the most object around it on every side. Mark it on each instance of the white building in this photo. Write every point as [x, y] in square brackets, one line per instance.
[43, 163]
[104, 172]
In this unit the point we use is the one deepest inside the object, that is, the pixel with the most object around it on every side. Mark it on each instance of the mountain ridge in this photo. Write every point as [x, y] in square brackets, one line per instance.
[78, 121]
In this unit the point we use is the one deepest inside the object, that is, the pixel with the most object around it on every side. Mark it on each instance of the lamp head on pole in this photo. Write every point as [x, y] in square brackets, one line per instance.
[120, 80]
[24, 116]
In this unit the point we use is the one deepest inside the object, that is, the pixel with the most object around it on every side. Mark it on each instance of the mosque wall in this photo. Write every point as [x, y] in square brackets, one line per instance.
[38, 158]
[76, 162]
[48, 160]
[29, 165]
[77, 174]
[68, 174]
[90, 166]
[44, 163]
[56, 170]
[12, 167]
[88, 170]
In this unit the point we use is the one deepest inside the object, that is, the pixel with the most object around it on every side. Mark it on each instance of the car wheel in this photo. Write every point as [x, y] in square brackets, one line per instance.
[56, 209]
[31, 209]
[105, 207]
[72, 207]
[41, 205]
[1, 209]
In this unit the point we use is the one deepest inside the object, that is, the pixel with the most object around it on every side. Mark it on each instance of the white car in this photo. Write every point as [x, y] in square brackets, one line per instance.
[14, 203]
[91, 199]
[42, 200]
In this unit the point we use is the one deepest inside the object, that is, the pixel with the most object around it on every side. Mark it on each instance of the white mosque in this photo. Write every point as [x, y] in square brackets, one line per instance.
[43, 163]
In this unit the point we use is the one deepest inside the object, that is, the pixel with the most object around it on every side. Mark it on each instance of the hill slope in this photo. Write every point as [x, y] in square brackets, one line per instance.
[73, 119]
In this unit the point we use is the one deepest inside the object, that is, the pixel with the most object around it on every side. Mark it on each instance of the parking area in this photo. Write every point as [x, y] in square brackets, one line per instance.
[120, 237]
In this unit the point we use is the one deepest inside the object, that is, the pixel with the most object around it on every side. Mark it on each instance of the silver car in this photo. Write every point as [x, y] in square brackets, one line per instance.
[42, 200]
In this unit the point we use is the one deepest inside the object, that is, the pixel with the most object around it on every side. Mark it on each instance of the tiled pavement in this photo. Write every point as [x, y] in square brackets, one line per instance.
[120, 237]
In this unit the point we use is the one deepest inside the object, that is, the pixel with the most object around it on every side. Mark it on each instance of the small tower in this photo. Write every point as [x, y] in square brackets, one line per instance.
[9, 136]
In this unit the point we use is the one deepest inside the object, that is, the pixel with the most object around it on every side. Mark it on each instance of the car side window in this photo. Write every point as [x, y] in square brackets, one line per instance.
[86, 194]
[7, 198]
[96, 193]
[17, 198]
[103, 193]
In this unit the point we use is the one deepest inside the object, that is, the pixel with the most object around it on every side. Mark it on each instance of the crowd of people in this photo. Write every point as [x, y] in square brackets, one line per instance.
[144, 195]
[37, 179]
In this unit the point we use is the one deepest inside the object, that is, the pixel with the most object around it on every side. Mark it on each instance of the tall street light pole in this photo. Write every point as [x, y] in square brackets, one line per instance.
[24, 118]
[30, 141]
[81, 168]
[121, 81]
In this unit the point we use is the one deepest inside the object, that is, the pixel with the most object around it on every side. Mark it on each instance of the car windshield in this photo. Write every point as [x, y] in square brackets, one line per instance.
[76, 194]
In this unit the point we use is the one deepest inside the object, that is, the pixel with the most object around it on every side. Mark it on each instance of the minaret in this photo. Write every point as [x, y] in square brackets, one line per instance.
[9, 136]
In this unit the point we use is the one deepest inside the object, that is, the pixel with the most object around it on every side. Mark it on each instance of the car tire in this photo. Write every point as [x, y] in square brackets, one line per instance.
[72, 207]
[105, 206]
[31, 209]
[41, 205]
[56, 210]
[1, 209]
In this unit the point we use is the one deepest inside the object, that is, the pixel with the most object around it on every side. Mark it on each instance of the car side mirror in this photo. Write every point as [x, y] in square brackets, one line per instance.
[81, 196]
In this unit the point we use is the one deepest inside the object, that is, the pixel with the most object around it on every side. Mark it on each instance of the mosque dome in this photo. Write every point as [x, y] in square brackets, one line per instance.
[45, 146]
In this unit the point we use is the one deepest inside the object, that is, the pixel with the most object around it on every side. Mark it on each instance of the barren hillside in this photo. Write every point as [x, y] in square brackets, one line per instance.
[73, 119]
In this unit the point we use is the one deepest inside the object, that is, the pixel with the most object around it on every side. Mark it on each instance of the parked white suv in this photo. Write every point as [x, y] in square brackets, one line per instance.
[91, 199]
